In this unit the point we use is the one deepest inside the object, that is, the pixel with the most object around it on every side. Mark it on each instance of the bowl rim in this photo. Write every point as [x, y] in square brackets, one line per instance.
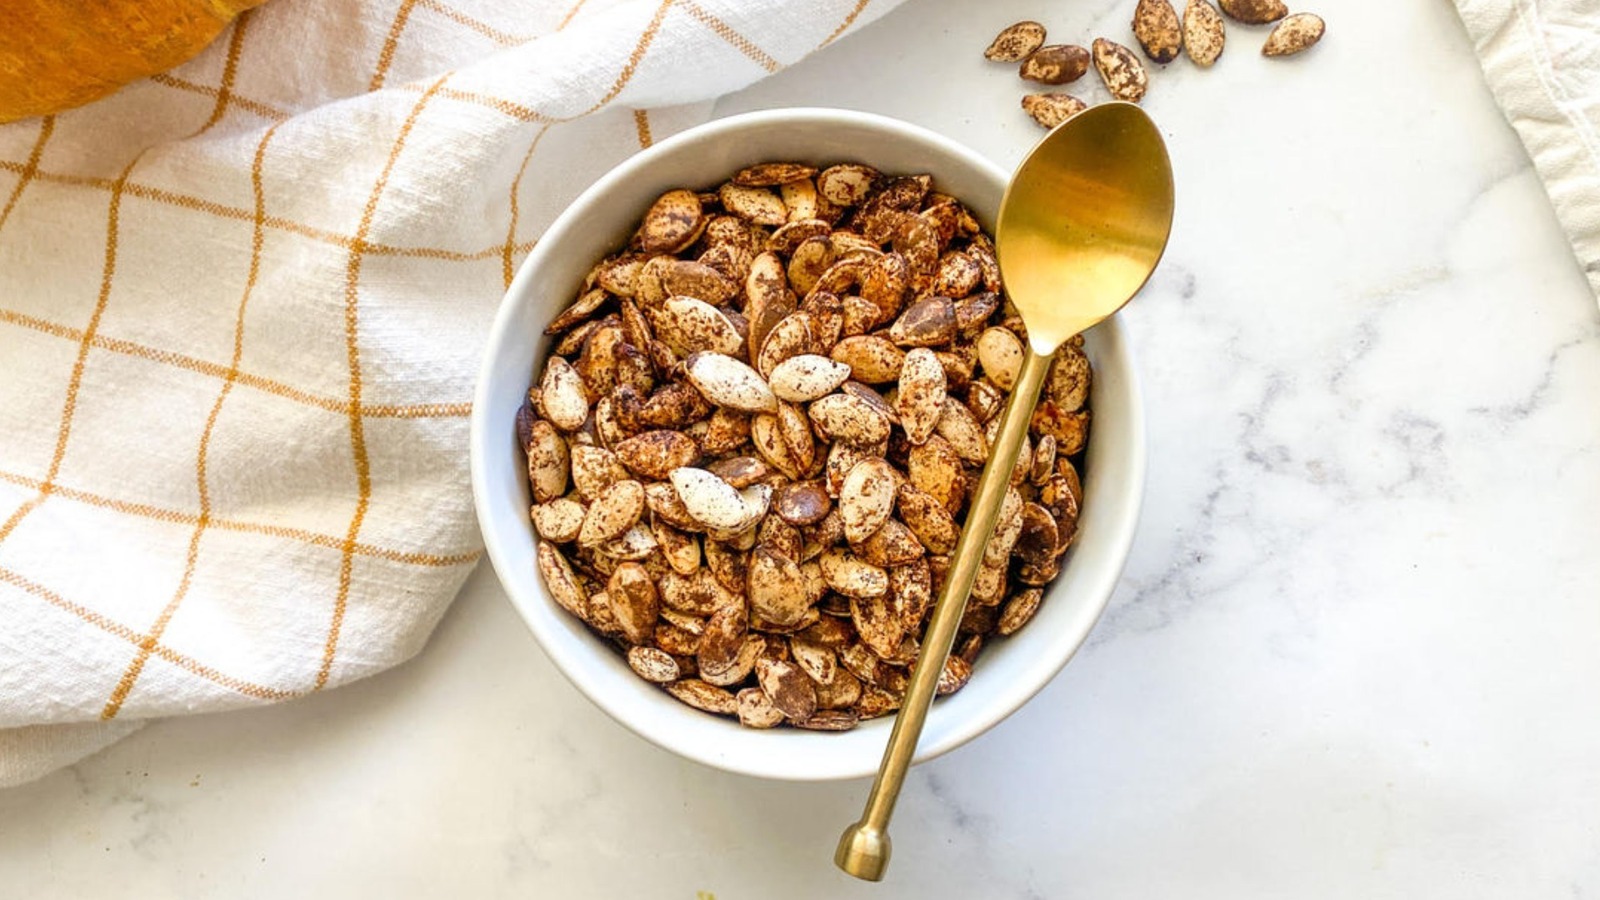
[566, 657]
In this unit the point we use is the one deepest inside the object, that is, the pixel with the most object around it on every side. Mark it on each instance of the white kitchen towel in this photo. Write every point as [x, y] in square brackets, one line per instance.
[241, 306]
[1542, 61]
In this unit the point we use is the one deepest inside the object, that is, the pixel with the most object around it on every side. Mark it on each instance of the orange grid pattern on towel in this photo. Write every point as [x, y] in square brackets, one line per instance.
[54, 489]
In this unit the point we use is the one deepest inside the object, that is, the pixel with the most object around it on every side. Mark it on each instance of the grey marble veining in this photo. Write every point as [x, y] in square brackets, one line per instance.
[1353, 654]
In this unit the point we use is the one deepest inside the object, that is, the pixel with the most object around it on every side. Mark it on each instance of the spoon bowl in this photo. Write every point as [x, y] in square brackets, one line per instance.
[1084, 221]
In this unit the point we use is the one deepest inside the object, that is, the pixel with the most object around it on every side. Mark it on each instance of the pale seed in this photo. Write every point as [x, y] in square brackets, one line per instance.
[846, 184]
[777, 588]
[990, 584]
[689, 325]
[800, 198]
[635, 543]
[1204, 34]
[559, 580]
[1000, 352]
[756, 709]
[935, 467]
[1044, 460]
[795, 429]
[920, 397]
[1008, 527]
[847, 418]
[787, 237]
[703, 696]
[739, 471]
[768, 298]
[758, 205]
[547, 461]
[1293, 35]
[698, 594]
[810, 261]
[728, 382]
[911, 592]
[788, 688]
[1255, 12]
[1055, 64]
[1068, 383]
[653, 664]
[789, 338]
[954, 676]
[757, 499]
[891, 545]
[726, 431]
[1123, 74]
[655, 454]
[558, 520]
[1155, 24]
[842, 457]
[857, 316]
[1015, 42]
[1051, 110]
[708, 499]
[766, 433]
[672, 223]
[577, 312]
[881, 630]
[872, 359]
[830, 720]
[806, 377]
[562, 395]
[818, 662]
[773, 173]
[866, 498]
[681, 550]
[930, 321]
[850, 576]
[634, 601]
[720, 646]
[928, 518]
[689, 278]
[612, 513]
[1019, 610]
[957, 425]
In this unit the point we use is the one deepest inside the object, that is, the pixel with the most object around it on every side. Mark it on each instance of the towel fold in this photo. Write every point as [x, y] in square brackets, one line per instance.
[1542, 61]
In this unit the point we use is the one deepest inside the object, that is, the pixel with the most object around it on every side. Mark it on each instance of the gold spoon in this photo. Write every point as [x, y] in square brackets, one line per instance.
[1081, 227]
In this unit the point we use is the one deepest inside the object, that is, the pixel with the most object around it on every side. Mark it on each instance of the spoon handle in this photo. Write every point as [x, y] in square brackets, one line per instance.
[864, 846]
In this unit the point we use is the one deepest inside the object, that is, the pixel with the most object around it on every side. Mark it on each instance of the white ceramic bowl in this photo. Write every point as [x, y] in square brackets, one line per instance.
[600, 221]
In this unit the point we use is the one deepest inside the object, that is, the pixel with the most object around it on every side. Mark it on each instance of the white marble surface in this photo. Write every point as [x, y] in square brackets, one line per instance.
[1354, 654]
